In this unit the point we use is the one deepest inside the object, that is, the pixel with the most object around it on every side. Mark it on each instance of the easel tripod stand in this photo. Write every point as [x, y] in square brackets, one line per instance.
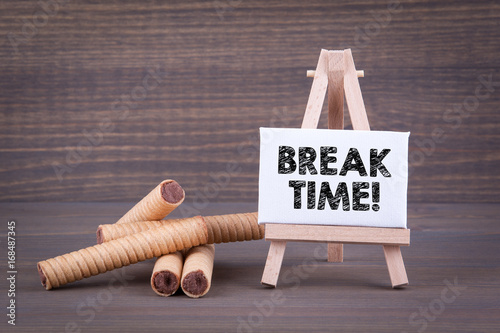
[336, 72]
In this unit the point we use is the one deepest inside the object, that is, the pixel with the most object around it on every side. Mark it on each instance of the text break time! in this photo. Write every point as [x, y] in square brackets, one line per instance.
[333, 177]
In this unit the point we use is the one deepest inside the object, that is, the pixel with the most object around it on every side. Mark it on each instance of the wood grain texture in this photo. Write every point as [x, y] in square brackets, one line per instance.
[274, 260]
[354, 96]
[335, 252]
[224, 73]
[395, 265]
[336, 74]
[317, 93]
[450, 243]
[336, 89]
[337, 234]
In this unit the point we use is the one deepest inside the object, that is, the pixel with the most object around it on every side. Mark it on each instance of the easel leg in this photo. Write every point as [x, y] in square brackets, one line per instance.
[335, 252]
[336, 67]
[273, 263]
[396, 266]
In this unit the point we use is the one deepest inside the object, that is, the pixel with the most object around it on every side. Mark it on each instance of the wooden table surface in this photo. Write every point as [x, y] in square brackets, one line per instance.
[452, 264]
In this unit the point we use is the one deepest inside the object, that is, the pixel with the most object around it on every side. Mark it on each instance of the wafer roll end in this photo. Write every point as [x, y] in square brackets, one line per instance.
[195, 284]
[166, 276]
[172, 192]
[160, 202]
[165, 283]
[99, 235]
[43, 278]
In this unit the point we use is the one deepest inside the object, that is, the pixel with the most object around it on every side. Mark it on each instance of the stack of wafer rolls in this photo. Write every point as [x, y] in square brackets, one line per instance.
[221, 228]
[198, 265]
[140, 235]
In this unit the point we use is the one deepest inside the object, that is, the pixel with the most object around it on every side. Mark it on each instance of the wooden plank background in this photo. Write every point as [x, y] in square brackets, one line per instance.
[228, 67]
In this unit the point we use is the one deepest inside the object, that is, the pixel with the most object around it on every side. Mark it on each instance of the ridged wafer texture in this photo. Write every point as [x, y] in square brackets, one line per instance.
[233, 228]
[120, 252]
[197, 272]
[160, 202]
[166, 276]
[221, 228]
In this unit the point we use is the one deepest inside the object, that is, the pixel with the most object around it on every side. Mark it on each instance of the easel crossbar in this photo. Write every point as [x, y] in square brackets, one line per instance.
[337, 234]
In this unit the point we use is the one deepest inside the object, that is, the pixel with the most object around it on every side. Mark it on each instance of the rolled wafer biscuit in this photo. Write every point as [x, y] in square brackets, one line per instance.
[107, 232]
[124, 251]
[221, 228]
[160, 202]
[166, 276]
[197, 271]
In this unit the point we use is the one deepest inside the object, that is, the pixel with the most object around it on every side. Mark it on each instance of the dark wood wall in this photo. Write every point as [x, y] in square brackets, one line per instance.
[225, 69]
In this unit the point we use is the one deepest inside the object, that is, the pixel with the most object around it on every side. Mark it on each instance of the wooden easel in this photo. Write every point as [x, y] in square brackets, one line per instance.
[336, 71]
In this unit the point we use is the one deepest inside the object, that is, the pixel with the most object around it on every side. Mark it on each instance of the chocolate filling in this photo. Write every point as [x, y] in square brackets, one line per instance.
[43, 278]
[195, 283]
[172, 192]
[166, 282]
[99, 236]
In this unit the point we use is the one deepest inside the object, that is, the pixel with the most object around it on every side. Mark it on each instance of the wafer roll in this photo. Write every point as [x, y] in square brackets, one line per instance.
[166, 276]
[160, 202]
[107, 232]
[197, 271]
[120, 252]
[221, 228]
